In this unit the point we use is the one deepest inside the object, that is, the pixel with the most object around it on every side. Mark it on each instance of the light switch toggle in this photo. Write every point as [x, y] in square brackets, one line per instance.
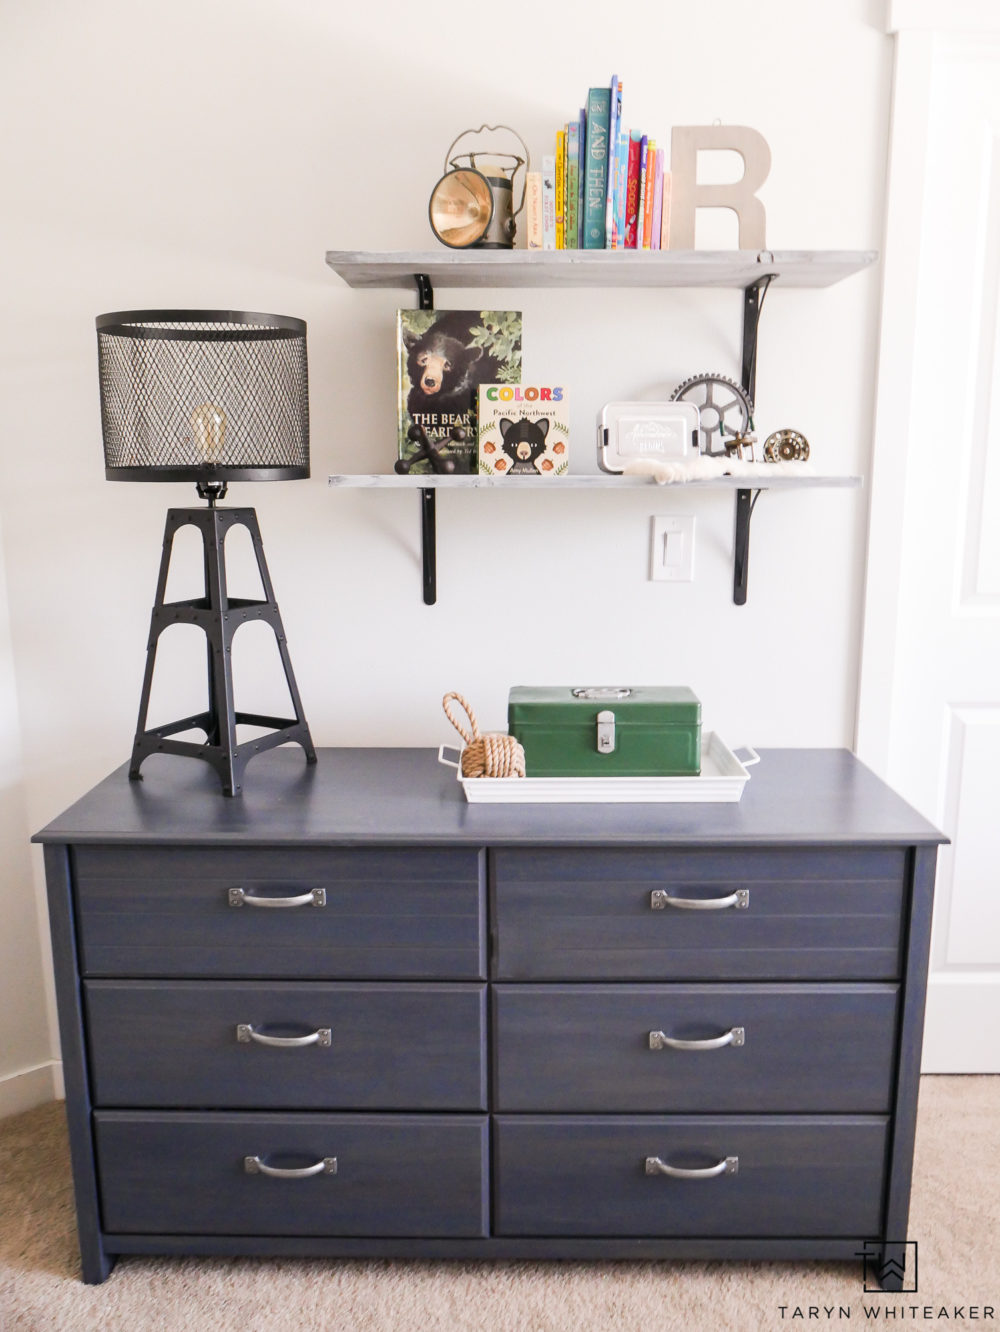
[671, 551]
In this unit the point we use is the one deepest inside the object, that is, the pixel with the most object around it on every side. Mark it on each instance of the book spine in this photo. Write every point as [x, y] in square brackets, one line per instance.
[549, 202]
[596, 187]
[614, 126]
[657, 201]
[632, 190]
[624, 139]
[581, 202]
[533, 210]
[573, 186]
[641, 202]
[665, 212]
[560, 189]
[650, 191]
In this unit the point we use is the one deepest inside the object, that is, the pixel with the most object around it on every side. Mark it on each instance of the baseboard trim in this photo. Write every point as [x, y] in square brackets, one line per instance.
[32, 1086]
[962, 1025]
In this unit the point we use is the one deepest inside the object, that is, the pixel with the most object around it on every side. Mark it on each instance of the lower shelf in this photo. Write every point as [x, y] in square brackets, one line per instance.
[769, 478]
[747, 485]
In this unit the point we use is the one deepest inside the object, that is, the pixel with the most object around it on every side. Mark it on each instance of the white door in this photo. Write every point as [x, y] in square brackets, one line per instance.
[929, 715]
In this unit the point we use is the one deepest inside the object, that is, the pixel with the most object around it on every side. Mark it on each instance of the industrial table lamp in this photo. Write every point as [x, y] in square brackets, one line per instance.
[209, 396]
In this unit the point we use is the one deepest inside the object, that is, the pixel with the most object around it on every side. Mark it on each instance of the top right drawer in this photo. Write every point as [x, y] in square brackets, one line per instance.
[779, 913]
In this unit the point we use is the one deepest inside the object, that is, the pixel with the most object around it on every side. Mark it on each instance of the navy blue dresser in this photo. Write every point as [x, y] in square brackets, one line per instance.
[350, 1015]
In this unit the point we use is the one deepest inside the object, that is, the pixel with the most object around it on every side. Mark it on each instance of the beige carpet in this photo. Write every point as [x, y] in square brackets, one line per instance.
[955, 1218]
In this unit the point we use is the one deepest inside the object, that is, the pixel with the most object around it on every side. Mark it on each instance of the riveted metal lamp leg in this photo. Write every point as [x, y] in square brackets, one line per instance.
[219, 616]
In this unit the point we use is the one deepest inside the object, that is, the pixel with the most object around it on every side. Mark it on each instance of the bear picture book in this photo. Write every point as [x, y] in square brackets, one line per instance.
[443, 357]
[523, 430]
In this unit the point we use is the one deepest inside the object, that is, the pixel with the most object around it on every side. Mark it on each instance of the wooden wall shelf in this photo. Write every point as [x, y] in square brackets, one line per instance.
[599, 268]
[750, 271]
[544, 485]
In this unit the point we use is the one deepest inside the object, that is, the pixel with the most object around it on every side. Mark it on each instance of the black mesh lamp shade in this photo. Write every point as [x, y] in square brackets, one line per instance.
[203, 395]
[209, 396]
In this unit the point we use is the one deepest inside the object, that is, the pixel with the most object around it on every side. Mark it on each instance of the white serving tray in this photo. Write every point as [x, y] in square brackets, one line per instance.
[723, 777]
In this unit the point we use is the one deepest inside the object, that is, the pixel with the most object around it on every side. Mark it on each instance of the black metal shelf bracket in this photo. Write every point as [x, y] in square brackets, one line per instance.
[428, 497]
[744, 509]
[425, 291]
[428, 543]
[753, 299]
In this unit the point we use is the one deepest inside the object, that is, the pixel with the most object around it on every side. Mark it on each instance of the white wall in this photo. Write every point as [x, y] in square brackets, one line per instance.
[25, 1063]
[207, 153]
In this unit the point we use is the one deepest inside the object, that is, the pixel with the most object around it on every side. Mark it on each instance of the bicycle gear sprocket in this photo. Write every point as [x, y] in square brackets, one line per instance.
[725, 406]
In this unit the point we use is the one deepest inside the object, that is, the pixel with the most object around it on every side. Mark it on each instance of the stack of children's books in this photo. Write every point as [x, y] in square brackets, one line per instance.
[604, 188]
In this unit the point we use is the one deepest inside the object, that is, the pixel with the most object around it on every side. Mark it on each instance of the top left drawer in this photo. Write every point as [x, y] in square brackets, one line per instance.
[295, 912]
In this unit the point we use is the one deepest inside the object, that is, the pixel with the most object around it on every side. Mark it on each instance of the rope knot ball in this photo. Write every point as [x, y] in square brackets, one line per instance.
[490, 755]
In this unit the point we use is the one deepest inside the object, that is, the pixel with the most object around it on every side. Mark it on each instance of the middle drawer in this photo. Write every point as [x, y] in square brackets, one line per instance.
[751, 1048]
[273, 1045]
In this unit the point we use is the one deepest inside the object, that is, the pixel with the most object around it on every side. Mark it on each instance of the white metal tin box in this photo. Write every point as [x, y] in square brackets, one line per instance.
[628, 430]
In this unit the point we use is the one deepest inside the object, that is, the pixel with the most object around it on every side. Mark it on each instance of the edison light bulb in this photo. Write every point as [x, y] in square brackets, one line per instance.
[209, 425]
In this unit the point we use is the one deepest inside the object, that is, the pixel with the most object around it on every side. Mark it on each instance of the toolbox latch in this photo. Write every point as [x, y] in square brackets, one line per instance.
[605, 732]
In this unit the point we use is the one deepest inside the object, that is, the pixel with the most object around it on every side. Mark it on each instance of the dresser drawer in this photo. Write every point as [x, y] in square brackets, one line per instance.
[781, 913]
[380, 1047]
[588, 1176]
[791, 1047]
[185, 1173]
[191, 911]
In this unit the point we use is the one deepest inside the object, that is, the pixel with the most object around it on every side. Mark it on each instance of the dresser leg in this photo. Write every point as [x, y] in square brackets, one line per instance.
[96, 1265]
[894, 1267]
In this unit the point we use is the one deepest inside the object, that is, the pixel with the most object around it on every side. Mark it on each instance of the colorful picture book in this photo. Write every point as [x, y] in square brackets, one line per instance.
[615, 178]
[533, 210]
[442, 358]
[523, 430]
[549, 202]
[595, 190]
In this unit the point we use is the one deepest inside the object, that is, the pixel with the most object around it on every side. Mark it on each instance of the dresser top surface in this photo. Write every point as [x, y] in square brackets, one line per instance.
[359, 797]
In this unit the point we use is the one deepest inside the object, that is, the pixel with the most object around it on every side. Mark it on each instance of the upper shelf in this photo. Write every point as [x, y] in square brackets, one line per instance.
[598, 268]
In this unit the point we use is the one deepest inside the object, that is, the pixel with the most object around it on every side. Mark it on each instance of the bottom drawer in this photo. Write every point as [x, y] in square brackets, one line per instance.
[793, 1175]
[184, 1173]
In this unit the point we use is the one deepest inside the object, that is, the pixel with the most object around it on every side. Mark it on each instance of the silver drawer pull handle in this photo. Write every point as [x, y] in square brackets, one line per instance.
[245, 1033]
[253, 1165]
[730, 1165]
[659, 899]
[240, 897]
[736, 1036]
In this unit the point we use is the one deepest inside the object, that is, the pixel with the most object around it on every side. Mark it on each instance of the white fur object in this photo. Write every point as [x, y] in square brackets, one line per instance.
[667, 472]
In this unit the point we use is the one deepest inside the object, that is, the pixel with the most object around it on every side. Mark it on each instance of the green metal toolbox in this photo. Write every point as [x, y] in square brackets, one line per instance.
[645, 731]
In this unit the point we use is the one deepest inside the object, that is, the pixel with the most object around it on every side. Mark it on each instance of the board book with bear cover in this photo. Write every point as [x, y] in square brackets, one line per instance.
[443, 356]
[523, 430]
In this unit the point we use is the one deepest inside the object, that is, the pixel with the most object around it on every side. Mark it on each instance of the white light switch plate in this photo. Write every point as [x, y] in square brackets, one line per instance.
[671, 549]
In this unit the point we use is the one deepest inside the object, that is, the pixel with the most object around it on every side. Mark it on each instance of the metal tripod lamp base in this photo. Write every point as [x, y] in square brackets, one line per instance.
[219, 615]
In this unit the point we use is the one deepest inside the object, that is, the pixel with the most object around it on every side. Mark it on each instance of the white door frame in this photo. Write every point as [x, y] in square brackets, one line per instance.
[919, 26]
